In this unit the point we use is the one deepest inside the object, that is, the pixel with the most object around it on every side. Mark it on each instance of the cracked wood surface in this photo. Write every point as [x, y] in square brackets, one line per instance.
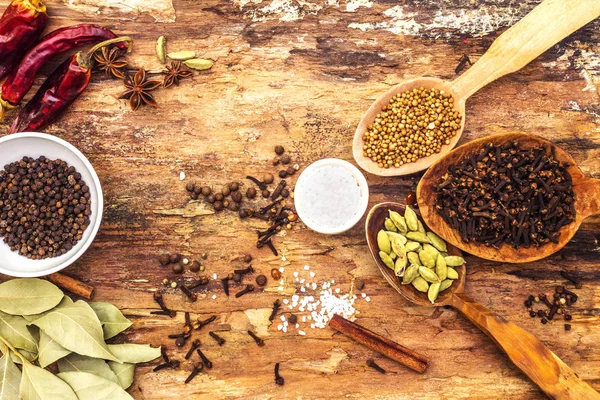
[300, 74]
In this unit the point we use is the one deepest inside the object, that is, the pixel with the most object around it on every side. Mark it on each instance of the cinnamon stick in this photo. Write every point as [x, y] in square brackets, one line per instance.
[392, 350]
[72, 285]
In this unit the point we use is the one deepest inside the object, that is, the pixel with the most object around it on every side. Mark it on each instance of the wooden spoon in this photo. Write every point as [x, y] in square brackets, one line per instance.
[547, 24]
[530, 355]
[587, 200]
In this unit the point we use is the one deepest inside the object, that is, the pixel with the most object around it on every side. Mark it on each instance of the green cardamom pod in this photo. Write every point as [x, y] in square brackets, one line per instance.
[420, 227]
[387, 260]
[383, 242]
[399, 221]
[426, 259]
[413, 258]
[417, 237]
[434, 291]
[398, 247]
[412, 221]
[393, 255]
[410, 274]
[452, 274]
[199, 64]
[395, 235]
[182, 55]
[454, 261]
[161, 49]
[400, 266]
[420, 284]
[445, 284]
[440, 267]
[428, 275]
[389, 225]
[437, 242]
[431, 250]
[412, 246]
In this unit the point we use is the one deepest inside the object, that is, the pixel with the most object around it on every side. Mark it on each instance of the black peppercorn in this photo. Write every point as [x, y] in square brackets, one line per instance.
[251, 193]
[234, 186]
[225, 191]
[211, 198]
[290, 171]
[236, 196]
[285, 193]
[193, 196]
[247, 258]
[261, 280]
[567, 327]
[532, 314]
[218, 206]
[266, 193]
[206, 191]
[544, 321]
[279, 150]
[177, 268]
[285, 159]
[282, 174]
[219, 196]
[164, 259]
[175, 258]
[268, 178]
[190, 187]
[540, 313]
[293, 319]
[568, 317]
[195, 266]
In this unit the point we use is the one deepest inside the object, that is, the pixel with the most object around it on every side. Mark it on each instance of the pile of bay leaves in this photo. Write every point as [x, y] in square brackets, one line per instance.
[43, 330]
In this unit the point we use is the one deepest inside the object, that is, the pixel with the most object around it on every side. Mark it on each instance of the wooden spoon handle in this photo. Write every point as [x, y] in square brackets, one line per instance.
[540, 364]
[589, 197]
[546, 25]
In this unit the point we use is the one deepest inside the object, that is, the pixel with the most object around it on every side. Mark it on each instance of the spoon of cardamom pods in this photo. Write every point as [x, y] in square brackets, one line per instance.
[392, 231]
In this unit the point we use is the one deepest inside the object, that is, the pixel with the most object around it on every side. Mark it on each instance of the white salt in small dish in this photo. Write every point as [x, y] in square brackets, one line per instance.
[331, 196]
[30, 144]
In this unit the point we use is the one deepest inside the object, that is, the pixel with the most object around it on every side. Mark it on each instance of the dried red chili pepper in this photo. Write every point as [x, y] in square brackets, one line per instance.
[20, 26]
[21, 79]
[61, 89]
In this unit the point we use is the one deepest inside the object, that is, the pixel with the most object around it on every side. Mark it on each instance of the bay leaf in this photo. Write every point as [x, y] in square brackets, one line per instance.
[10, 377]
[26, 354]
[124, 373]
[96, 366]
[92, 387]
[134, 353]
[49, 350]
[112, 320]
[65, 301]
[76, 328]
[13, 328]
[28, 296]
[39, 384]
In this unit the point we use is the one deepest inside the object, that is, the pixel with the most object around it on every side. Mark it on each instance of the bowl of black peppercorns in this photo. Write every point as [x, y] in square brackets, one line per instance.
[50, 204]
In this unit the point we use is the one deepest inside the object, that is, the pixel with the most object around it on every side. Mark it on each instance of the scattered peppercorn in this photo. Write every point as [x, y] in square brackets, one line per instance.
[285, 193]
[290, 171]
[266, 193]
[261, 280]
[292, 319]
[225, 191]
[268, 178]
[195, 266]
[251, 193]
[177, 268]
[234, 186]
[285, 159]
[206, 191]
[279, 150]
[567, 327]
[568, 317]
[237, 278]
[360, 284]
[236, 196]
[164, 259]
[247, 258]
[275, 274]
[219, 197]
[175, 258]
[218, 205]
[190, 187]
[532, 314]
[282, 174]
[544, 321]
[211, 198]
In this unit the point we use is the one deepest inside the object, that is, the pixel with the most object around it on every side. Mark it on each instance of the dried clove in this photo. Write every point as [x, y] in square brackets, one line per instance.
[247, 289]
[278, 189]
[207, 363]
[273, 249]
[199, 324]
[276, 306]
[462, 63]
[261, 185]
[258, 340]
[171, 364]
[161, 302]
[225, 282]
[197, 369]
[195, 345]
[188, 293]
[201, 281]
[573, 279]
[266, 208]
[218, 338]
[247, 270]
[163, 353]
[278, 378]
[374, 365]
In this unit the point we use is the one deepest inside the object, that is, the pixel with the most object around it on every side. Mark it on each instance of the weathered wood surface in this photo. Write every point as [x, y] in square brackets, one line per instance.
[300, 73]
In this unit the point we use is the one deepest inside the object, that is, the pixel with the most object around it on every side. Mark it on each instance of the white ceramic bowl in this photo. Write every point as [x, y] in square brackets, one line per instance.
[330, 197]
[29, 144]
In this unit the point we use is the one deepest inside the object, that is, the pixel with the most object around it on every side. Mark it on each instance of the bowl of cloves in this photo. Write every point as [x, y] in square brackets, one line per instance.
[50, 204]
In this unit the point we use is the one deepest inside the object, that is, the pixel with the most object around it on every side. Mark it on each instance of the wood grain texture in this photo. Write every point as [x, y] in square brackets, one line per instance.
[302, 77]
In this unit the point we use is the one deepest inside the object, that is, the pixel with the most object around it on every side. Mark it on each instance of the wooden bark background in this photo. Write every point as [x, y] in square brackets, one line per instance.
[300, 73]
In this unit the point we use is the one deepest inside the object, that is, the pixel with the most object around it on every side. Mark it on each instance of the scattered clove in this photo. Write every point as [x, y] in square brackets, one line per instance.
[207, 363]
[171, 364]
[199, 324]
[188, 293]
[218, 338]
[374, 365]
[244, 271]
[161, 302]
[247, 289]
[195, 345]
[258, 340]
[225, 282]
[278, 378]
[276, 306]
[197, 369]
[573, 279]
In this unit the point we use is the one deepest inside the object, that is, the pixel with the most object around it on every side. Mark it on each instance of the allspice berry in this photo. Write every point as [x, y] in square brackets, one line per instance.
[218, 206]
[195, 266]
[197, 190]
[286, 159]
[225, 191]
[233, 206]
[285, 193]
[247, 258]
[268, 178]
[251, 193]
[178, 268]
[266, 193]
[237, 196]
[219, 196]
[243, 213]
[261, 280]
[234, 186]
[279, 150]
[290, 171]
[175, 258]
[282, 174]
[211, 198]
[190, 187]
[206, 191]
[164, 259]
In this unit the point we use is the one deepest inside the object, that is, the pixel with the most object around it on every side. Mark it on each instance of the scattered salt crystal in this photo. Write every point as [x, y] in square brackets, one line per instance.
[312, 326]
[285, 324]
[283, 259]
[285, 301]
[291, 307]
[281, 282]
[214, 296]
[363, 295]
[301, 309]
[280, 288]
[314, 286]
[301, 333]
[367, 299]
[312, 274]
[297, 326]
[214, 276]
[279, 327]
[304, 318]
[281, 269]
[302, 289]
[284, 329]
[296, 274]
[181, 175]
[337, 290]
[302, 280]
[333, 281]
[306, 268]
[282, 317]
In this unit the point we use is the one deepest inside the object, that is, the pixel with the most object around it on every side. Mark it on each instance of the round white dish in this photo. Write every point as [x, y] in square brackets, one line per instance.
[331, 196]
[30, 144]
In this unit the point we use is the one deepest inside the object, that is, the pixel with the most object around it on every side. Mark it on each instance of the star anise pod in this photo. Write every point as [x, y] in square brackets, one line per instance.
[138, 90]
[109, 62]
[175, 72]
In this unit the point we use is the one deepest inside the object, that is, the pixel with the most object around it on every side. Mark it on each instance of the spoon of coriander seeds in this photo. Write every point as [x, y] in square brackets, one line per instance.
[527, 352]
[416, 122]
